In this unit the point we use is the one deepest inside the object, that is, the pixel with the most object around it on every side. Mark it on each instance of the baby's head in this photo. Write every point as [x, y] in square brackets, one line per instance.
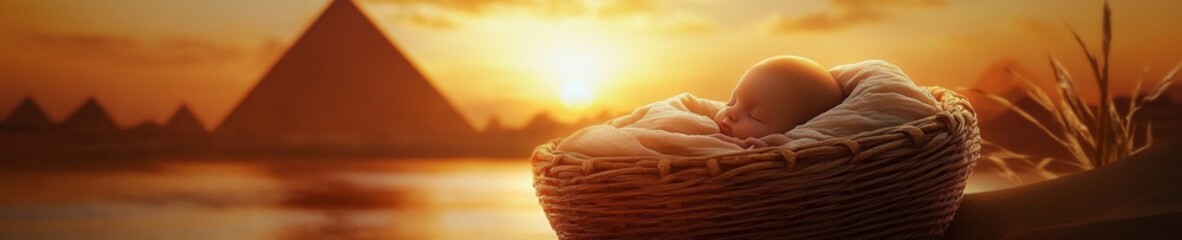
[776, 95]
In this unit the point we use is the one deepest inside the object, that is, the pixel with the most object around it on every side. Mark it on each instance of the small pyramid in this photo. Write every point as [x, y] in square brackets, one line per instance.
[90, 118]
[999, 79]
[27, 117]
[183, 122]
[494, 126]
[543, 124]
[343, 79]
[999, 123]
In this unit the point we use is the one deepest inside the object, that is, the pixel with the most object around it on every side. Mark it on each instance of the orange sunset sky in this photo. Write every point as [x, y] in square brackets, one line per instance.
[513, 58]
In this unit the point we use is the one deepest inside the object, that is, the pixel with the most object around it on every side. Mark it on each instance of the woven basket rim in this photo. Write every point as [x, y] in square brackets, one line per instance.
[948, 104]
[903, 181]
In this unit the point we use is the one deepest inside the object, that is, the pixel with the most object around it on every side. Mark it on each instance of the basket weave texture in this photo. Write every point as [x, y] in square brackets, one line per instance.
[904, 181]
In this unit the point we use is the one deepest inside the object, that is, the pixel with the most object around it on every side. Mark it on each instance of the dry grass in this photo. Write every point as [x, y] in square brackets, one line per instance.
[1094, 138]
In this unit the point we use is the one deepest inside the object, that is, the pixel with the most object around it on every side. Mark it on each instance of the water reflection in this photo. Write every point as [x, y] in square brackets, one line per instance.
[284, 199]
[276, 199]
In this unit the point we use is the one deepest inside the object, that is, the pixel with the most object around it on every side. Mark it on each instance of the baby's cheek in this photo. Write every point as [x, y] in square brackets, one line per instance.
[746, 129]
[760, 130]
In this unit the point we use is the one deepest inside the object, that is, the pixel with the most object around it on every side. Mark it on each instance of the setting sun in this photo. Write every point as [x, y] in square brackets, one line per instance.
[576, 94]
[577, 67]
[574, 119]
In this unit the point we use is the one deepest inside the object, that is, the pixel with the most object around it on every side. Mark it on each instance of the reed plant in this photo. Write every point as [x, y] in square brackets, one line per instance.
[1093, 137]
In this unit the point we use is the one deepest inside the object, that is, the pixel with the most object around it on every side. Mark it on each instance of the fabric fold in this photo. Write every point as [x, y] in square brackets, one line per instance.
[878, 94]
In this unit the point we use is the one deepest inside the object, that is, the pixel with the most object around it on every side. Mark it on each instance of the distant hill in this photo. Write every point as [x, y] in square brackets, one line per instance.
[146, 129]
[1000, 79]
[1165, 115]
[1175, 92]
[1003, 126]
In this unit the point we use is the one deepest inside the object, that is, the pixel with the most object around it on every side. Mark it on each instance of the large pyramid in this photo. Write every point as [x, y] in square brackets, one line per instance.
[344, 81]
[27, 117]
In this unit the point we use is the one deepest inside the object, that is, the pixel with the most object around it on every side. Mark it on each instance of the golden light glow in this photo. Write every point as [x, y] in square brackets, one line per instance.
[576, 95]
[576, 66]
[143, 60]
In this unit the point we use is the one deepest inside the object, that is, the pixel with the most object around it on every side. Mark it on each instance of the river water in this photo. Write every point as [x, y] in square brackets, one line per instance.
[268, 199]
[282, 199]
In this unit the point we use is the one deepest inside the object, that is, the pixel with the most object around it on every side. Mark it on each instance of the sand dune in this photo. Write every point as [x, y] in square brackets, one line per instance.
[1138, 198]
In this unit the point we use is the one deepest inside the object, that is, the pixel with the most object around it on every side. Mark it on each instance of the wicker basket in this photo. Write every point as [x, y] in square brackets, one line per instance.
[898, 182]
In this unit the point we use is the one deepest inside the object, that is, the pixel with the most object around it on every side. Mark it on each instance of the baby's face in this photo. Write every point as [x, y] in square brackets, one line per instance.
[775, 96]
[757, 108]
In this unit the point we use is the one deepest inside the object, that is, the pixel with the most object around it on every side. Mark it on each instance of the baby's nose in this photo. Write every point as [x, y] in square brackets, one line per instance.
[723, 115]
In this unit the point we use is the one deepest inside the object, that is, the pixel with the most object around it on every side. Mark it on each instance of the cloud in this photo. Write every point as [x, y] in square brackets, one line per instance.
[1035, 26]
[550, 8]
[471, 7]
[451, 14]
[684, 24]
[625, 8]
[171, 51]
[426, 20]
[688, 27]
[649, 15]
[554, 8]
[847, 13]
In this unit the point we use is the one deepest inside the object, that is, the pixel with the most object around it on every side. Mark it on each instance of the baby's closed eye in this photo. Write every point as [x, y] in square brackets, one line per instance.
[756, 115]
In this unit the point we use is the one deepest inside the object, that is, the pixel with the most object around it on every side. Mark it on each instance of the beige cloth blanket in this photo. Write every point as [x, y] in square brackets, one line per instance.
[878, 95]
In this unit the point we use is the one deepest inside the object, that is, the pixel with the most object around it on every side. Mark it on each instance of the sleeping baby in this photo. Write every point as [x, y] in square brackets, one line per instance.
[780, 101]
[774, 96]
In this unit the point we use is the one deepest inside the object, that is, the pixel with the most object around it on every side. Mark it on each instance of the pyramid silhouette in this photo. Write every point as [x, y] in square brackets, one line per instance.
[90, 118]
[999, 79]
[183, 122]
[1003, 126]
[494, 126]
[343, 79]
[27, 117]
[544, 125]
